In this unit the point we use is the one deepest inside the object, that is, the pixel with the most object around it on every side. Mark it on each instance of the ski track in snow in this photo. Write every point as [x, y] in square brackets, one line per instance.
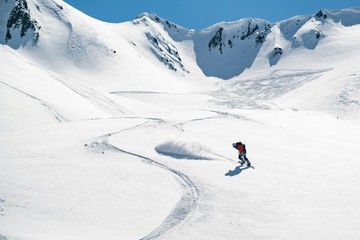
[95, 97]
[256, 92]
[184, 208]
[280, 82]
[47, 106]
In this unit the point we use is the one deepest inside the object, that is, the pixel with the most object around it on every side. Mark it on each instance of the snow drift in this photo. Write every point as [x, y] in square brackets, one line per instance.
[183, 150]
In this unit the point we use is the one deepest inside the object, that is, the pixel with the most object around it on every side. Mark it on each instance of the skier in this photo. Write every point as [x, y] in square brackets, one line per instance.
[242, 153]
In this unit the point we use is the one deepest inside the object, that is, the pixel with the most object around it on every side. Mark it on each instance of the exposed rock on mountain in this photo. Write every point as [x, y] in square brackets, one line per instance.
[275, 55]
[165, 52]
[224, 50]
[20, 23]
[217, 40]
[321, 14]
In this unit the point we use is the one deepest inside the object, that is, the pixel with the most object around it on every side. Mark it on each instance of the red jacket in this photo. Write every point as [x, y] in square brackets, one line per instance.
[240, 148]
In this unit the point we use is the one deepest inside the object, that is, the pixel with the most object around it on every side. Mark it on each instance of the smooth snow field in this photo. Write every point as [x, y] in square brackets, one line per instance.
[125, 131]
[174, 175]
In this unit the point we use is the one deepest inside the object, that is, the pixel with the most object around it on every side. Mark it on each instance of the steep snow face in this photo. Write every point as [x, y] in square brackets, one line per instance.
[164, 49]
[73, 44]
[308, 35]
[54, 29]
[225, 50]
[307, 31]
[175, 31]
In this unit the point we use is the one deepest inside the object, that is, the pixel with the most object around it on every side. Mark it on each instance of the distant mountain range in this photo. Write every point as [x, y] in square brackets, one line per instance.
[52, 35]
[223, 50]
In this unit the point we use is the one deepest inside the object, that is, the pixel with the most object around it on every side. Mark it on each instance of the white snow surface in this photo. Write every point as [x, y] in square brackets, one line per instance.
[100, 137]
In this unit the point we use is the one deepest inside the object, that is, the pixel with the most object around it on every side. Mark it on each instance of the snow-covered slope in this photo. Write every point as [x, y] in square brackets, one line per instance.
[119, 57]
[73, 44]
[124, 131]
[225, 50]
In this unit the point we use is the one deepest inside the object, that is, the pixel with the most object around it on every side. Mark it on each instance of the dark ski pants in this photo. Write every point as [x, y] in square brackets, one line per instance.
[243, 158]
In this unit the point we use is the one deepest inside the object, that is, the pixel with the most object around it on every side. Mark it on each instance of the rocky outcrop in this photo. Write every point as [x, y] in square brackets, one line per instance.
[163, 49]
[250, 31]
[260, 38]
[275, 55]
[277, 51]
[21, 19]
[217, 40]
[166, 52]
[321, 15]
[163, 21]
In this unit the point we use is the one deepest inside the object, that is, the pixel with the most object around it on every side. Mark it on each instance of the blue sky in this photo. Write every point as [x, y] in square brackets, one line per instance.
[200, 14]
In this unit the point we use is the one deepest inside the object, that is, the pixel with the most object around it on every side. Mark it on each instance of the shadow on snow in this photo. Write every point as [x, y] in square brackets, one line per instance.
[236, 171]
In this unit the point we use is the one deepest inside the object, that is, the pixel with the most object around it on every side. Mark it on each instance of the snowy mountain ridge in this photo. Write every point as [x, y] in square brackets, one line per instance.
[54, 36]
[215, 48]
[243, 39]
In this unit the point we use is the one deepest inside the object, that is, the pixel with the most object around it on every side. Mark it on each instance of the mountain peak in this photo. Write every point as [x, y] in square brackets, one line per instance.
[168, 25]
[224, 50]
[347, 16]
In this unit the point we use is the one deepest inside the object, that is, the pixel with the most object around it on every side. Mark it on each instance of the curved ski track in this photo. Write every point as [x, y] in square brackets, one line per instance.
[47, 106]
[184, 207]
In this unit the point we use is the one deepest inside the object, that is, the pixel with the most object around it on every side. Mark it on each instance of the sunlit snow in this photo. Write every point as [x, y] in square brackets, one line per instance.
[125, 131]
